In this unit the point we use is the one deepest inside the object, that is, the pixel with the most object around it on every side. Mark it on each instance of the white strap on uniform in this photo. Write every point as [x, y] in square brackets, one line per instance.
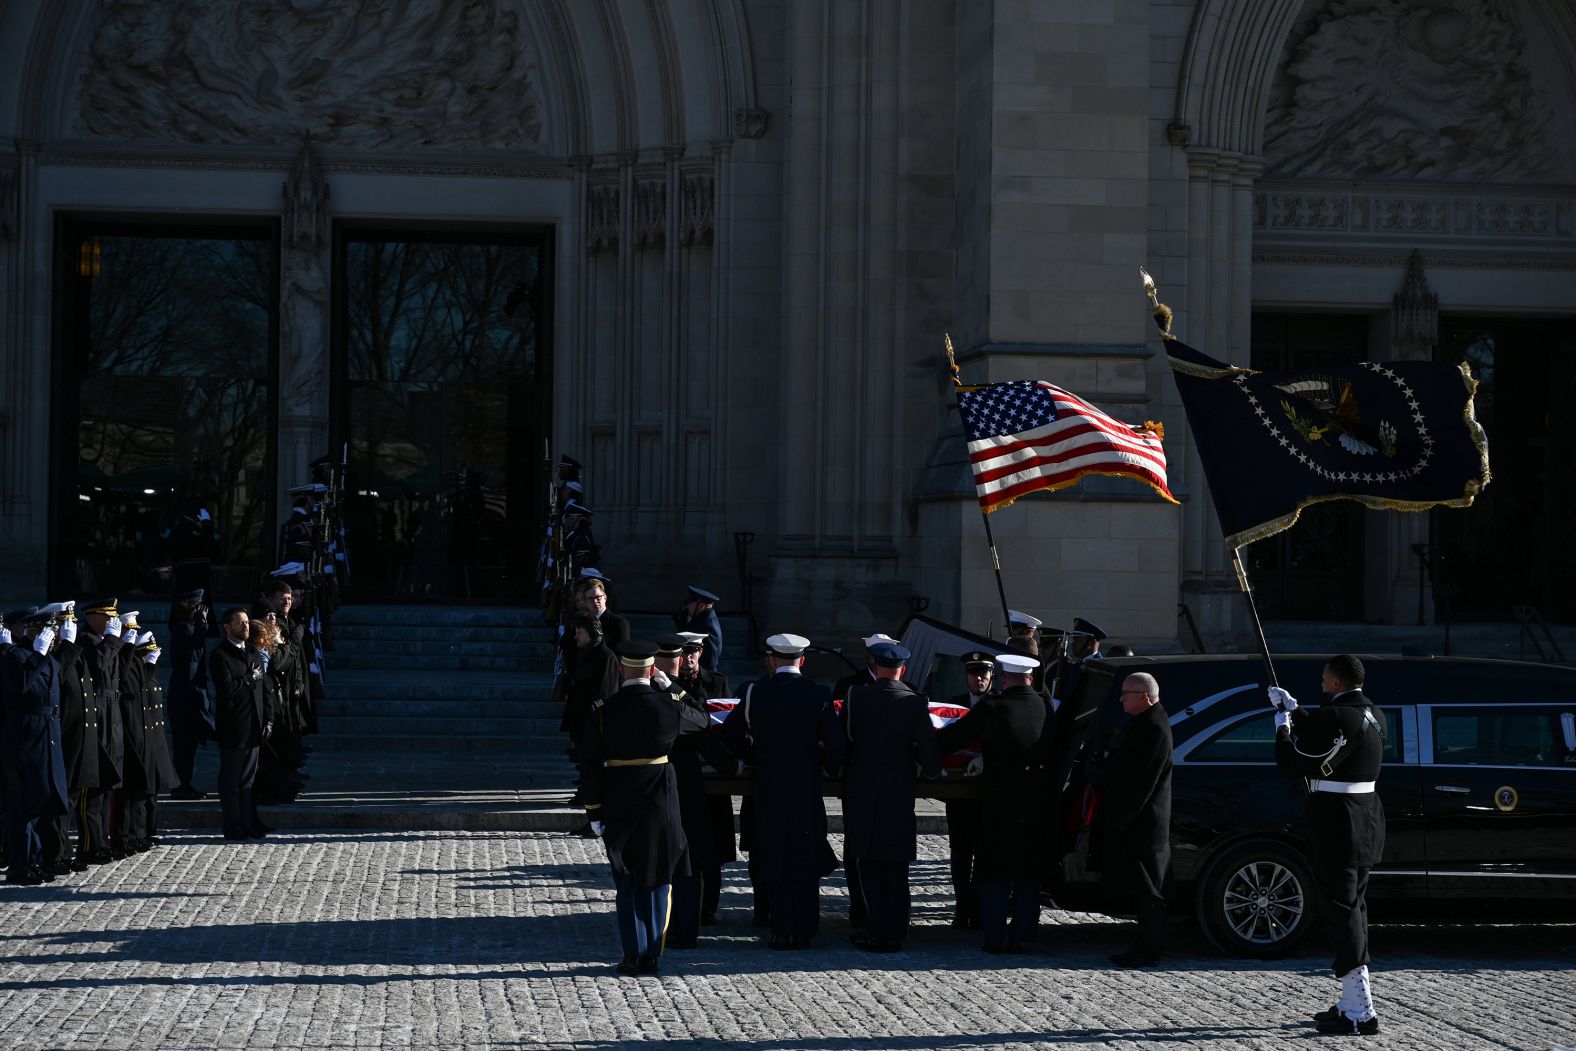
[1342, 788]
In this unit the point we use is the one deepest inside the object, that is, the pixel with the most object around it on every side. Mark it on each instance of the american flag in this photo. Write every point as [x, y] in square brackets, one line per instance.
[1030, 435]
[943, 713]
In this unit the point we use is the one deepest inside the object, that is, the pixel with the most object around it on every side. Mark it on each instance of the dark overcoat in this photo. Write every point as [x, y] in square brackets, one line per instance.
[637, 802]
[158, 766]
[593, 677]
[31, 764]
[79, 717]
[240, 695]
[1015, 732]
[709, 625]
[705, 686]
[1135, 805]
[103, 657]
[189, 704]
[689, 754]
[785, 726]
[134, 766]
[889, 731]
[1343, 830]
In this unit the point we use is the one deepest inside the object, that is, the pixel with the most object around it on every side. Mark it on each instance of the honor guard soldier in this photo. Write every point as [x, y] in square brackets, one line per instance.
[31, 765]
[786, 727]
[159, 771]
[78, 746]
[190, 709]
[134, 739]
[1014, 730]
[703, 686]
[632, 800]
[863, 677]
[698, 613]
[99, 640]
[888, 729]
[1136, 813]
[1337, 749]
[694, 811]
[963, 815]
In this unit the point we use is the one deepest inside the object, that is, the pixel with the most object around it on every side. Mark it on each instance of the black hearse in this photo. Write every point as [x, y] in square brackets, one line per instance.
[1479, 788]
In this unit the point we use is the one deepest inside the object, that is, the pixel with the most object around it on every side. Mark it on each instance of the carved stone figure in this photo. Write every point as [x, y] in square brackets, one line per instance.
[601, 219]
[651, 213]
[303, 335]
[695, 226]
[1404, 89]
[392, 74]
[306, 201]
[1416, 314]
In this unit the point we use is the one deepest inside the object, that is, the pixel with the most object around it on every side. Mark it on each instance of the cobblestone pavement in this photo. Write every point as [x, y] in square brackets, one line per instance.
[503, 940]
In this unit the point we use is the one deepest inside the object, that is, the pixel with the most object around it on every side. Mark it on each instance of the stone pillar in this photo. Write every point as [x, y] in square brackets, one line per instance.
[26, 445]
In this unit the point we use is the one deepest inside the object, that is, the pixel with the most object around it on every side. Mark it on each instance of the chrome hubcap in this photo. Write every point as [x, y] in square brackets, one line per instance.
[1263, 902]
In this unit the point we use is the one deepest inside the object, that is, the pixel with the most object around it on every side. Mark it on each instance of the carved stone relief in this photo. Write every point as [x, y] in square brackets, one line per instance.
[303, 316]
[306, 201]
[1439, 214]
[695, 225]
[749, 123]
[1404, 89]
[385, 74]
[651, 213]
[601, 219]
[1416, 314]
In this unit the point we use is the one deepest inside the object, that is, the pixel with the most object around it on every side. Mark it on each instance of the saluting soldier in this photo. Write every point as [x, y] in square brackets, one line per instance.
[134, 738]
[786, 727]
[705, 685]
[889, 732]
[78, 746]
[31, 765]
[100, 643]
[160, 771]
[694, 812]
[1014, 729]
[698, 613]
[190, 709]
[1136, 814]
[632, 800]
[1338, 749]
[964, 815]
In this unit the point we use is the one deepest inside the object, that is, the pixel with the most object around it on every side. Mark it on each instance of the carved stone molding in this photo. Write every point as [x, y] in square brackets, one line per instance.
[601, 219]
[651, 213]
[1416, 314]
[1315, 209]
[750, 123]
[384, 74]
[306, 202]
[1179, 133]
[695, 225]
[1561, 262]
[9, 204]
[266, 159]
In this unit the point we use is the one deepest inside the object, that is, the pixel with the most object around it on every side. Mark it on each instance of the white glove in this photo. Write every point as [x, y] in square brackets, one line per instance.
[976, 767]
[597, 827]
[1282, 722]
[152, 656]
[660, 680]
[1282, 701]
[43, 640]
[112, 629]
[5, 636]
[68, 631]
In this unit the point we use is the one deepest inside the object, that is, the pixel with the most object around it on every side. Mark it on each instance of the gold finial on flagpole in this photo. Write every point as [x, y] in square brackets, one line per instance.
[1162, 312]
[952, 362]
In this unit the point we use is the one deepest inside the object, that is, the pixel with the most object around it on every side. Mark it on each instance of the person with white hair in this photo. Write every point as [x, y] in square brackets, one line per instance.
[1137, 815]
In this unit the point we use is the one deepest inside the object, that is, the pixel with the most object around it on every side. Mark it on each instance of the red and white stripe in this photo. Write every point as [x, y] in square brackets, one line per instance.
[1082, 441]
[944, 714]
[719, 707]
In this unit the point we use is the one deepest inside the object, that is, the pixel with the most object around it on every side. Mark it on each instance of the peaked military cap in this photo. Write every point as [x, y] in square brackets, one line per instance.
[703, 595]
[888, 655]
[669, 644]
[106, 606]
[1016, 663]
[877, 638]
[693, 640]
[978, 659]
[788, 645]
[637, 653]
[1016, 617]
[1084, 627]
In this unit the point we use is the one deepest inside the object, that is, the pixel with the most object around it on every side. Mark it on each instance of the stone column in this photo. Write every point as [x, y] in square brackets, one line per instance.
[1410, 332]
[26, 444]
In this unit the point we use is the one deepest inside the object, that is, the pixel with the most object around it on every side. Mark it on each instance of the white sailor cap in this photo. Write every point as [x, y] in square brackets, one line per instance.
[871, 640]
[1023, 618]
[55, 609]
[1016, 663]
[788, 645]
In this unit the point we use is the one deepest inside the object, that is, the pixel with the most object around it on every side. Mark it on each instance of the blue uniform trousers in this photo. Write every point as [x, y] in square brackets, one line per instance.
[684, 926]
[884, 885]
[1024, 898]
[22, 847]
[642, 917]
[796, 907]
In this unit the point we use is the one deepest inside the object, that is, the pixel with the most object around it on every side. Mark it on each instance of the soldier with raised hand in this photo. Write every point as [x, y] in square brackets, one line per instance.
[632, 800]
[78, 746]
[889, 733]
[786, 727]
[158, 771]
[698, 613]
[31, 764]
[99, 639]
[134, 739]
[1338, 749]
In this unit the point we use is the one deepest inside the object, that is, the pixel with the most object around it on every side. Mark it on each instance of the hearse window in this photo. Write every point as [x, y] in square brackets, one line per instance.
[1503, 737]
[1253, 741]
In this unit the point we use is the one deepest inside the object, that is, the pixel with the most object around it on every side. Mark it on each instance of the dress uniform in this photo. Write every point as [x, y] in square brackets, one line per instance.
[79, 719]
[863, 677]
[158, 771]
[190, 710]
[99, 639]
[704, 685]
[1338, 749]
[1136, 815]
[632, 800]
[134, 780]
[786, 727]
[963, 815]
[699, 614]
[889, 732]
[31, 765]
[1015, 732]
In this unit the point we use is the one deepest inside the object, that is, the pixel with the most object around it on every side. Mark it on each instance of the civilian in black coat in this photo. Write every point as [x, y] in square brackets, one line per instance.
[241, 710]
[888, 729]
[1015, 731]
[594, 677]
[1136, 815]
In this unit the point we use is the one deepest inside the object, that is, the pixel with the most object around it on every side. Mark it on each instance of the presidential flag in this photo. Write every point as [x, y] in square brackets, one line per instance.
[1397, 435]
[1030, 435]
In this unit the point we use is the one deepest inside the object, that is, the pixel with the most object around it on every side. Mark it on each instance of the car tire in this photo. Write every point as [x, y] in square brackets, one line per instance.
[1257, 900]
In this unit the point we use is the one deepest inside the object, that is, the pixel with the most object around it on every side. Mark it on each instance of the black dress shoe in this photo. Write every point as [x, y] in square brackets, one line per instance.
[762, 918]
[59, 868]
[585, 831]
[100, 857]
[627, 967]
[780, 942]
[23, 879]
[801, 943]
[79, 865]
[44, 874]
[257, 833]
[1135, 958]
[646, 966]
[258, 826]
[1328, 1016]
[1340, 1025]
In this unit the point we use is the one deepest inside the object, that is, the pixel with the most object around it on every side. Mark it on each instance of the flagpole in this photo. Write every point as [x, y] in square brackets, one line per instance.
[995, 562]
[1253, 611]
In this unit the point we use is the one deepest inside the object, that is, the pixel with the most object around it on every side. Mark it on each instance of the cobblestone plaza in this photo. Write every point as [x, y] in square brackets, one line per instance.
[477, 940]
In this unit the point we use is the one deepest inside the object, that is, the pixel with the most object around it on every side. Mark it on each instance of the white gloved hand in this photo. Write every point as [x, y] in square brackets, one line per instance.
[660, 679]
[112, 629]
[152, 656]
[43, 640]
[976, 767]
[1282, 722]
[597, 827]
[5, 636]
[68, 631]
[1282, 701]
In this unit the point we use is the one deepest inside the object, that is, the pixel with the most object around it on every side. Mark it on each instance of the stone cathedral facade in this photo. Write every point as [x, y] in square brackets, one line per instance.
[710, 248]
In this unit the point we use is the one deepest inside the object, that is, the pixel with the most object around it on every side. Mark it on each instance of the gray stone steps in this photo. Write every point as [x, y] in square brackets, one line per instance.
[498, 726]
[445, 647]
[394, 665]
[445, 709]
[421, 743]
[455, 688]
[364, 633]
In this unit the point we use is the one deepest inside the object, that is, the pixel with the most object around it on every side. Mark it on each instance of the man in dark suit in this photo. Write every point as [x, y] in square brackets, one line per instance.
[632, 800]
[1136, 815]
[1014, 730]
[242, 716]
[888, 729]
[785, 726]
[1338, 749]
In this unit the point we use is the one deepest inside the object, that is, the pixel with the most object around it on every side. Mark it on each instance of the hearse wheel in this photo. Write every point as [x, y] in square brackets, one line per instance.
[1257, 900]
